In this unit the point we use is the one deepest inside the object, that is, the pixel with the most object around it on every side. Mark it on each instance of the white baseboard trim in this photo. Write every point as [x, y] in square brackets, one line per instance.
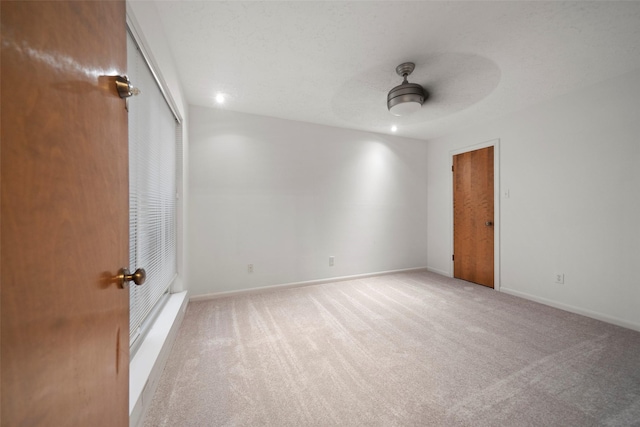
[573, 309]
[215, 295]
[148, 363]
[440, 272]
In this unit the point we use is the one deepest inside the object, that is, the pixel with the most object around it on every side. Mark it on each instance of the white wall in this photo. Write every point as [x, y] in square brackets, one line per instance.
[572, 167]
[143, 15]
[155, 348]
[285, 195]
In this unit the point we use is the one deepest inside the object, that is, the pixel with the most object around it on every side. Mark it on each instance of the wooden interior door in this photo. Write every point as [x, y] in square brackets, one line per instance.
[64, 230]
[473, 228]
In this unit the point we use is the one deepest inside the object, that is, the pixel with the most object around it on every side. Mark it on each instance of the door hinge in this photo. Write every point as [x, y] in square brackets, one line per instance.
[453, 257]
[451, 168]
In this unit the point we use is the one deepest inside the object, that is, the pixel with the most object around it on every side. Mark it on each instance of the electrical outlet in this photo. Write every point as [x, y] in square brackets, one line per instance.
[560, 278]
[250, 268]
[331, 261]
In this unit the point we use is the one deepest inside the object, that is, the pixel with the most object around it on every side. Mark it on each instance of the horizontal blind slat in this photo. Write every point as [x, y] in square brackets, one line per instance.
[152, 181]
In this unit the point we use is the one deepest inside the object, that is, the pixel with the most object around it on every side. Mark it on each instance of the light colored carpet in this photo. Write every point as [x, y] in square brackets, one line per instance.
[399, 350]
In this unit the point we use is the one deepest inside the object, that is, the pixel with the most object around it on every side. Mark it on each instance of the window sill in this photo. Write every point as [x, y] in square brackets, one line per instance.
[148, 363]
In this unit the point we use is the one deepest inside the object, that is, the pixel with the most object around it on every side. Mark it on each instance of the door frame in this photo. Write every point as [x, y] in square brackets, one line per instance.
[495, 143]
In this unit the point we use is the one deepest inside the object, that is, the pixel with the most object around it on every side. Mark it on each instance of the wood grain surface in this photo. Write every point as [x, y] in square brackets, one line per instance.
[64, 230]
[472, 210]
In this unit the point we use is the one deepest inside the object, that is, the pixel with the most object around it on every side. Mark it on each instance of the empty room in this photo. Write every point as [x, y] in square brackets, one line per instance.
[319, 213]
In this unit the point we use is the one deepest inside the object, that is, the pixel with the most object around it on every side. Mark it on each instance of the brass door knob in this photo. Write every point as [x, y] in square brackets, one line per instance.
[124, 277]
[125, 88]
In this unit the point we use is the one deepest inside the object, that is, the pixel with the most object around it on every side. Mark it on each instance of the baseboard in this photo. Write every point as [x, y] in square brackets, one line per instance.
[573, 309]
[270, 288]
[440, 272]
[148, 363]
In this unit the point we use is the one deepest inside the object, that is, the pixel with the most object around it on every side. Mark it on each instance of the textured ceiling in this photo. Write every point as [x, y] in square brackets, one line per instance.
[333, 63]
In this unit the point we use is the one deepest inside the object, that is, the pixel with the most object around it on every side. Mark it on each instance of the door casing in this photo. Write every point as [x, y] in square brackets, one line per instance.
[495, 143]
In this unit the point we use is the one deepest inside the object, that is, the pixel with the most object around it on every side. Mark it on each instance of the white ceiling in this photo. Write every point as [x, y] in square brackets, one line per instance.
[333, 63]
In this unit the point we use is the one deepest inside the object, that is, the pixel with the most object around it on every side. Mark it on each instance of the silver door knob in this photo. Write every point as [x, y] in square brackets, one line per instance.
[124, 277]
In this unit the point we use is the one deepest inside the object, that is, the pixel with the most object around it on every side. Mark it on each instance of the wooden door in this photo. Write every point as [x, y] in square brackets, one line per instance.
[64, 230]
[473, 216]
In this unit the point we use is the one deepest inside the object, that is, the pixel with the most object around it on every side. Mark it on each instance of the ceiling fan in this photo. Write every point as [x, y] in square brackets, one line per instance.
[406, 98]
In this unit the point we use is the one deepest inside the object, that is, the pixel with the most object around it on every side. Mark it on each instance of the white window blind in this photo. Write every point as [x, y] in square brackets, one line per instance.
[152, 189]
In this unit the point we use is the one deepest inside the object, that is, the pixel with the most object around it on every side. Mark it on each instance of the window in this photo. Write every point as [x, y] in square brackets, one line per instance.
[153, 145]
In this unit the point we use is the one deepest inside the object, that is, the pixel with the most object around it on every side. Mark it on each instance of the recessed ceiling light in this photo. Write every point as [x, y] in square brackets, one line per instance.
[220, 98]
[394, 128]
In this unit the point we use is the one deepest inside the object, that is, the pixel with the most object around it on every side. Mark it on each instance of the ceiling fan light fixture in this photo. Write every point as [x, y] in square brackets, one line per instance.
[407, 97]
